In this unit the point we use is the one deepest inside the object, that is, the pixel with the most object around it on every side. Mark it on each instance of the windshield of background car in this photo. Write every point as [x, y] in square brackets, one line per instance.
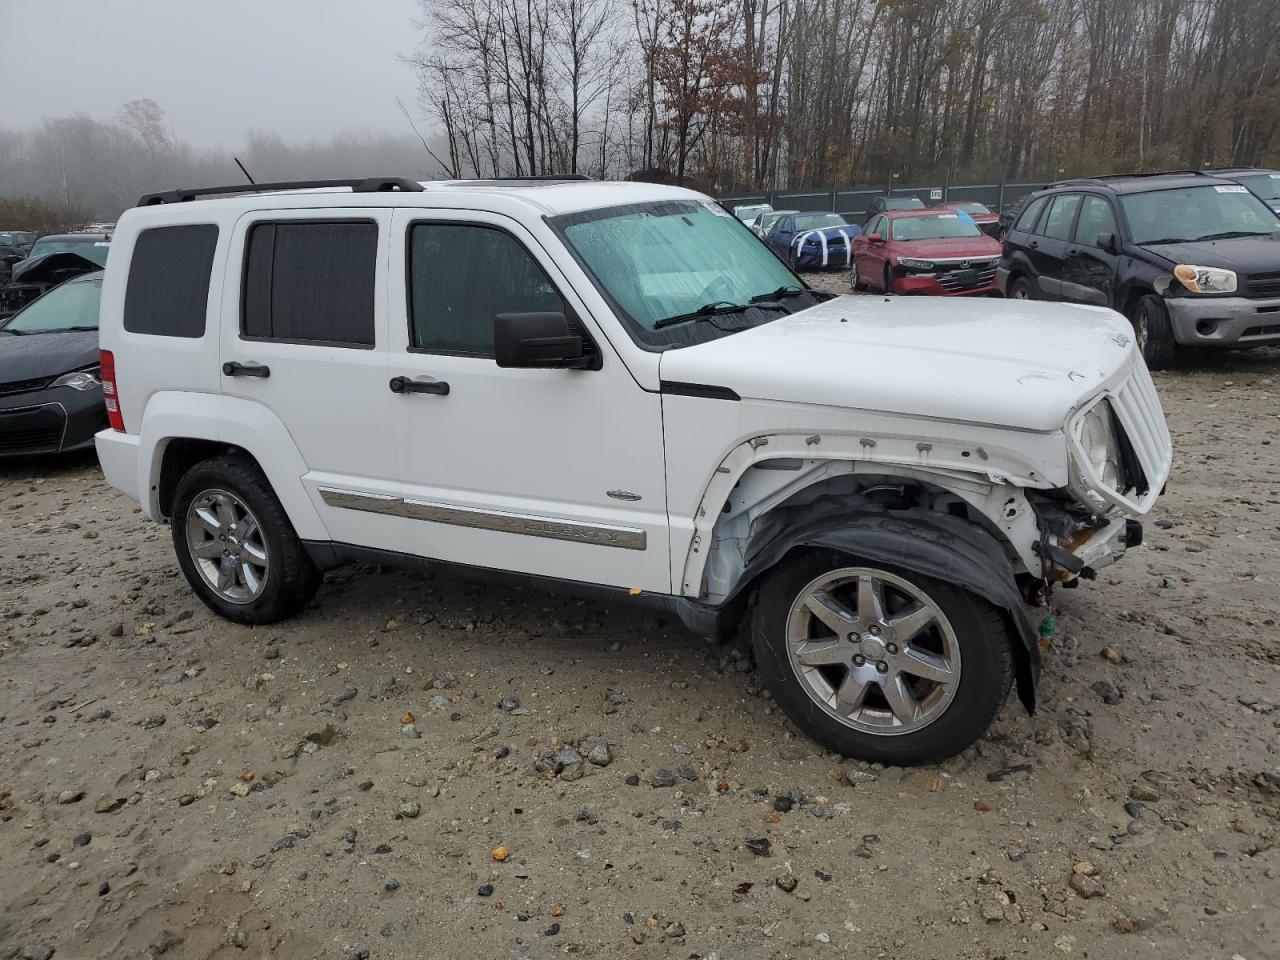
[747, 214]
[818, 221]
[937, 226]
[1265, 185]
[981, 209]
[95, 250]
[1196, 213]
[71, 306]
[662, 259]
[907, 203]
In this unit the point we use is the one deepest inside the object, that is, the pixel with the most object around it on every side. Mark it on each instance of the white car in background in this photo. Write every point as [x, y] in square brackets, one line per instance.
[613, 390]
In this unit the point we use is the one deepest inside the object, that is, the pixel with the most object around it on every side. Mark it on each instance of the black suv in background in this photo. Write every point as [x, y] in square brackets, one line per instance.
[1263, 184]
[1191, 259]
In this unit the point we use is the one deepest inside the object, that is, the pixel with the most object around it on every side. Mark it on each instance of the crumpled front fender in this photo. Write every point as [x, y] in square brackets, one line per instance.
[932, 544]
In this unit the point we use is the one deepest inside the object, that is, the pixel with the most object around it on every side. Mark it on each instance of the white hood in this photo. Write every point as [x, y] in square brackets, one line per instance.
[1023, 364]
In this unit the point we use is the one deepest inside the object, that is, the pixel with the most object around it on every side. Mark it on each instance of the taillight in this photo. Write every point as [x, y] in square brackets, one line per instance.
[110, 392]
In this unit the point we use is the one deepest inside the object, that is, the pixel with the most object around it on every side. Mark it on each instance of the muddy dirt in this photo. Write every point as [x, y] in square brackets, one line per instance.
[376, 778]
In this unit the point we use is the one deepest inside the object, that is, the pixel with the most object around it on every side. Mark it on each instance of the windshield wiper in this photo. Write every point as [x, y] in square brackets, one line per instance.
[16, 333]
[788, 291]
[1152, 243]
[1229, 234]
[717, 309]
[73, 329]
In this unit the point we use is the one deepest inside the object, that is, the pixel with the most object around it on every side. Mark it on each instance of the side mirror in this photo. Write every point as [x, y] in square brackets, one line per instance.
[874, 238]
[1107, 242]
[537, 340]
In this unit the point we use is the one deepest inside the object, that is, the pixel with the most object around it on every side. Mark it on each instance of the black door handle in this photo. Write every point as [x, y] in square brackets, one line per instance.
[234, 369]
[404, 385]
[1034, 244]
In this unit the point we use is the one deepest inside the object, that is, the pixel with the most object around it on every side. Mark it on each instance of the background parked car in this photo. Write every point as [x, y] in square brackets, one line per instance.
[1191, 259]
[765, 221]
[1263, 184]
[53, 260]
[882, 204]
[21, 240]
[988, 220]
[812, 241]
[924, 252]
[747, 213]
[50, 396]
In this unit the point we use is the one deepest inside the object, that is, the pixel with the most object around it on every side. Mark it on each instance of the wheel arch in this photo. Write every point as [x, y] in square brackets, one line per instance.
[182, 429]
[945, 548]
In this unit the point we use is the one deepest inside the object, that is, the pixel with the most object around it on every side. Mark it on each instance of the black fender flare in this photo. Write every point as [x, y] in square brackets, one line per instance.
[935, 545]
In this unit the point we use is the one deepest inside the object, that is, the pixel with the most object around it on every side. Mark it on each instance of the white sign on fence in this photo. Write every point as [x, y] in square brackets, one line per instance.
[935, 194]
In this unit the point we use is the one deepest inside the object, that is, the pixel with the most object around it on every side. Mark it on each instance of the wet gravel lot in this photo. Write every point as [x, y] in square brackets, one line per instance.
[377, 777]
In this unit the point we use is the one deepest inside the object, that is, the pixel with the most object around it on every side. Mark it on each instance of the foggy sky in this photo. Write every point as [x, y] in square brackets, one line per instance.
[305, 69]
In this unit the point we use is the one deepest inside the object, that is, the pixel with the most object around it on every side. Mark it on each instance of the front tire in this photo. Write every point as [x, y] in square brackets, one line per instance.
[856, 284]
[1020, 289]
[1153, 332]
[877, 662]
[888, 279]
[236, 546]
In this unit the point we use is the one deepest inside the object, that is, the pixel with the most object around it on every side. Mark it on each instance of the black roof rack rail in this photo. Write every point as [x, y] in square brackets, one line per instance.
[366, 185]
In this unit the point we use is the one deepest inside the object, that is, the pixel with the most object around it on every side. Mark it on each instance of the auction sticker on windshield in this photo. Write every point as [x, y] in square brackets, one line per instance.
[1231, 189]
[715, 208]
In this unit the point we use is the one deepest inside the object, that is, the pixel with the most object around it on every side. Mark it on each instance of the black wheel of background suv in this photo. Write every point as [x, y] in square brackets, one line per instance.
[236, 546]
[1020, 289]
[880, 663]
[1153, 332]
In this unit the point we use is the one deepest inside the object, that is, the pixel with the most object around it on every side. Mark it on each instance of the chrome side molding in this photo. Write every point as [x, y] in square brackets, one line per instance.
[603, 535]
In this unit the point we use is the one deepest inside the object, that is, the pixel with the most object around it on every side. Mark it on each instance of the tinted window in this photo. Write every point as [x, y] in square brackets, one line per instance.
[819, 221]
[1061, 215]
[311, 281]
[461, 277]
[934, 226]
[1027, 221]
[168, 290]
[1187, 214]
[1096, 216]
[72, 306]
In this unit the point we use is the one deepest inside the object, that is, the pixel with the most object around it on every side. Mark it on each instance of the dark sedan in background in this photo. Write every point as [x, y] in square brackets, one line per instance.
[50, 395]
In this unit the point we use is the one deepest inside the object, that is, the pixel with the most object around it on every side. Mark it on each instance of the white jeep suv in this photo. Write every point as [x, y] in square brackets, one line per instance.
[615, 389]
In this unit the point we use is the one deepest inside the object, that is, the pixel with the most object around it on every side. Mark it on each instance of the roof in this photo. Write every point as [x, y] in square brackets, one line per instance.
[1242, 171]
[76, 237]
[1123, 183]
[547, 197]
[917, 212]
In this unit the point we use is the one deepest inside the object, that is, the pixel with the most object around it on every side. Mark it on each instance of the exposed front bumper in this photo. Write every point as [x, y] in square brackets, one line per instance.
[1224, 321]
[57, 420]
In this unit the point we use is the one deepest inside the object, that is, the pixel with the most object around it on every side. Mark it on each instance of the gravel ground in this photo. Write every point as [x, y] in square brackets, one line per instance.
[378, 776]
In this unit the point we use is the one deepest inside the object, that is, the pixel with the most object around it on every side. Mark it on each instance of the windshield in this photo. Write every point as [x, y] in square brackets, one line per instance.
[746, 214]
[1196, 213]
[1265, 185]
[904, 203]
[818, 221]
[663, 259]
[978, 208]
[89, 248]
[935, 226]
[71, 306]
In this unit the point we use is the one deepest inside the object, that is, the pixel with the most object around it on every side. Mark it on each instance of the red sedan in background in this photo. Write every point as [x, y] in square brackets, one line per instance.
[938, 252]
[988, 220]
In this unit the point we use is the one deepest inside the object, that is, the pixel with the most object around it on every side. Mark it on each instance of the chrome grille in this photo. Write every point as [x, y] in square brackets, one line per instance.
[968, 279]
[1137, 407]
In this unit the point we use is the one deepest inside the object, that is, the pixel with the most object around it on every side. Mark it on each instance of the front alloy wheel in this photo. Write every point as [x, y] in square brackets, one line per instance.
[877, 662]
[873, 650]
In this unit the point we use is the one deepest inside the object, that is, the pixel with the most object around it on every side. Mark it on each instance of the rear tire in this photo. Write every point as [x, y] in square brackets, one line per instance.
[898, 715]
[1153, 332]
[888, 279]
[856, 284]
[236, 546]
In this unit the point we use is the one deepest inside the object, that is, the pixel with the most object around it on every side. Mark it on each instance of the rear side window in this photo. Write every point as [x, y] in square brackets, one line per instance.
[1027, 221]
[461, 277]
[1061, 215]
[168, 289]
[311, 281]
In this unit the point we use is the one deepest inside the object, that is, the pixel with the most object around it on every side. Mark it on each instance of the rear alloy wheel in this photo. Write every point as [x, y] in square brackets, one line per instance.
[1152, 332]
[235, 543]
[880, 664]
[855, 282]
